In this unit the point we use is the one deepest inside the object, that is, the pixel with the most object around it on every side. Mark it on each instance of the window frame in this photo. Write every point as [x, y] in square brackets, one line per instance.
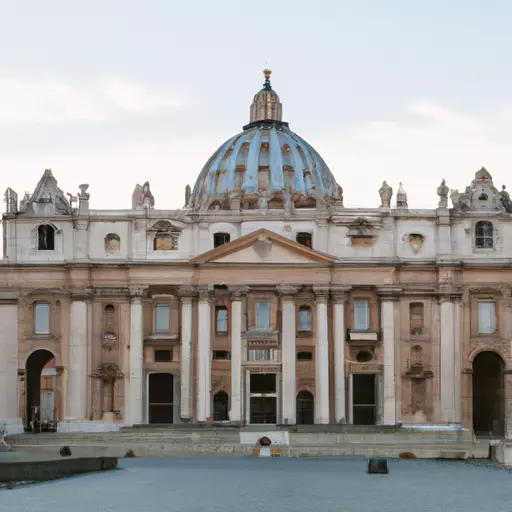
[304, 307]
[368, 324]
[37, 306]
[494, 320]
[483, 236]
[257, 317]
[227, 238]
[159, 306]
[219, 332]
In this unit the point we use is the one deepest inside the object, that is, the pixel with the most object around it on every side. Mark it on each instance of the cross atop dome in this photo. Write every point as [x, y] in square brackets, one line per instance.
[266, 105]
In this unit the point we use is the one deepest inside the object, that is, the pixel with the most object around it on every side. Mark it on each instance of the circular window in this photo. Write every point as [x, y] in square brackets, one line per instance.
[364, 356]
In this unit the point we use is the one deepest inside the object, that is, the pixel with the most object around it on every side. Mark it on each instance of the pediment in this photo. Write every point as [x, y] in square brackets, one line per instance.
[265, 247]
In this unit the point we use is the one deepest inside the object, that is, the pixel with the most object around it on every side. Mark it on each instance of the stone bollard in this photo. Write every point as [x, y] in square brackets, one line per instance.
[378, 466]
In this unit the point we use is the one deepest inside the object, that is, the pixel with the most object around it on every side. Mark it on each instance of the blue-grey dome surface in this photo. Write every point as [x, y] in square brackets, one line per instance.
[291, 163]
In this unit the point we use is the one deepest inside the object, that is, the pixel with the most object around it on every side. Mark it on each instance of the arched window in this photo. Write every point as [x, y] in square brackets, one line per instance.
[221, 239]
[112, 243]
[46, 237]
[484, 238]
[220, 406]
[305, 321]
[110, 313]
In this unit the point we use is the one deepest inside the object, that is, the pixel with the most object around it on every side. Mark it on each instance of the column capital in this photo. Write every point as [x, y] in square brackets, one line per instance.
[390, 292]
[187, 292]
[237, 292]
[286, 291]
[136, 291]
[205, 292]
[340, 294]
[321, 293]
[80, 295]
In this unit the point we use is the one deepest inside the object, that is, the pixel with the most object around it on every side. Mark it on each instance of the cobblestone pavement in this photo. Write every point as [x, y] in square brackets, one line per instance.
[260, 485]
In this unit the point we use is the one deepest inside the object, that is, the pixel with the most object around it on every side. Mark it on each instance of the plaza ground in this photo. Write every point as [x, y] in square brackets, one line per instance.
[259, 485]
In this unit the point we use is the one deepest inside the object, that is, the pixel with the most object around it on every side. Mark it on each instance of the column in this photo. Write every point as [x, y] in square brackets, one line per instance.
[9, 405]
[288, 355]
[205, 343]
[388, 342]
[321, 358]
[76, 399]
[507, 335]
[136, 388]
[339, 298]
[187, 360]
[447, 356]
[457, 362]
[235, 413]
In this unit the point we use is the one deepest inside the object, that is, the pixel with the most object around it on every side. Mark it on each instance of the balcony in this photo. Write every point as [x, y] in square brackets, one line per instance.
[261, 337]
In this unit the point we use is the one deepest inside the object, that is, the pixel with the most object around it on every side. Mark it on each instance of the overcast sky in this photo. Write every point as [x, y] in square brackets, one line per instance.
[114, 93]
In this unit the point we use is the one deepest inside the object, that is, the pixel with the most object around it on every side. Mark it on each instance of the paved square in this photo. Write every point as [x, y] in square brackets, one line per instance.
[259, 485]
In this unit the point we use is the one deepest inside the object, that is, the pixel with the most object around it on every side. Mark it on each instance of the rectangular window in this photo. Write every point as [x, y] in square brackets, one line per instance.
[305, 319]
[42, 318]
[361, 315]
[221, 355]
[416, 317]
[162, 318]
[163, 356]
[222, 320]
[263, 354]
[486, 317]
[262, 315]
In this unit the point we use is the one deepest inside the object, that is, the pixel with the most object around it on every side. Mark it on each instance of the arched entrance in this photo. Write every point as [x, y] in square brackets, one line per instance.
[488, 394]
[40, 386]
[220, 406]
[305, 408]
[161, 398]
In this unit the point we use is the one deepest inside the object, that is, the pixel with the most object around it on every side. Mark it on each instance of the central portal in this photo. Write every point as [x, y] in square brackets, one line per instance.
[161, 398]
[364, 401]
[263, 398]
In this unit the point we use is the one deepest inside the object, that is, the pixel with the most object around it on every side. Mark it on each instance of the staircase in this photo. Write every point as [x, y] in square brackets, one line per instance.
[193, 440]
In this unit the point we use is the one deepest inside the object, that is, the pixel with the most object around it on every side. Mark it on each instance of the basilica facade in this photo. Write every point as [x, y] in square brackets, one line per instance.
[262, 301]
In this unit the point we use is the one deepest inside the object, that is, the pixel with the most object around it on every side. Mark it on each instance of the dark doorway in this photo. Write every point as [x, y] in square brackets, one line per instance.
[364, 399]
[488, 395]
[34, 368]
[305, 408]
[220, 406]
[161, 398]
[263, 399]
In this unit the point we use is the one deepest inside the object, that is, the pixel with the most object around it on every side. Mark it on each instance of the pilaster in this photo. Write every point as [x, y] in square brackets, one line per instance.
[321, 357]
[447, 359]
[289, 357]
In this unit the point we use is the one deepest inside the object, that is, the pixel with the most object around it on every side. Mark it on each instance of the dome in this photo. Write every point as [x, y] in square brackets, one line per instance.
[264, 166]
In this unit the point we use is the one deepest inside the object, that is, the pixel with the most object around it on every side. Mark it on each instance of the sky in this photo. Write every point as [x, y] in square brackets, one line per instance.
[114, 93]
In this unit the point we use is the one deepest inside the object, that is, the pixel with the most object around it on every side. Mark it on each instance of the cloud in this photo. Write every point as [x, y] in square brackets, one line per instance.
[52, 101]
[428, 144]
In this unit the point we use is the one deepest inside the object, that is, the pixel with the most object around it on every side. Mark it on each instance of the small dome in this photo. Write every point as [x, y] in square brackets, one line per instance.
[266, 165]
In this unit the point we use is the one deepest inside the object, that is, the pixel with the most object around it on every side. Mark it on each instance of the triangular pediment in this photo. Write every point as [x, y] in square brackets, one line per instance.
[263, 246]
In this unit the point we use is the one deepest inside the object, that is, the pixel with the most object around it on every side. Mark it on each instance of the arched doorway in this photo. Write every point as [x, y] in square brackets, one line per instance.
[220, 406]
[305, 408]
[488, 394]
[161, 398]
[40, 386]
